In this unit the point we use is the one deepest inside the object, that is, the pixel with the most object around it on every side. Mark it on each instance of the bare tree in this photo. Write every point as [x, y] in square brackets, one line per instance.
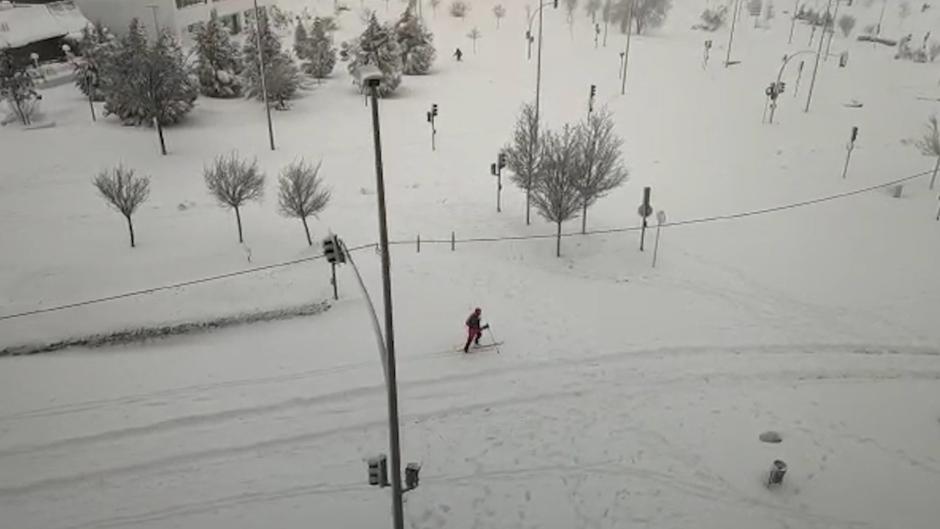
[474, 35]
[124, 191]
[846, 23]
[929, 145]
[570, 7]
[499, 12]
[524, 154]
[592, 7]
[606, 16]
[601, 170]
[643, 13]
[555, 193]
[233, 182]
[301, 193]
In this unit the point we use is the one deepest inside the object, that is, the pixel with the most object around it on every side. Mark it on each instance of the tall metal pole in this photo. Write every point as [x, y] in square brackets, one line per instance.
[812, 82]
[153, 11]
[392, 384]
[796, 6]
[626, 51]
[832, 31]
[264, 84]
[734, 19]
[538, 72]
[881, 17]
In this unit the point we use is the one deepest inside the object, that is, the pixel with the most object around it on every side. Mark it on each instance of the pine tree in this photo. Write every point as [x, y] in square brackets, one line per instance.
[301, 40]
[377, 46]
[219, 62]
[320, 54]
[96, 46]
[417, 44]
[281, 75]
[149, 84]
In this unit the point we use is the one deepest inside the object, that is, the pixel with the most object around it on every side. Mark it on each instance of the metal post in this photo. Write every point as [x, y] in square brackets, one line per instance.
[393, 435]
[812, 82]
[832, 31]
[264, 84]
[626, 51]
[796, 6]
[499, 188]
[848, 156]
[645, 206]
[335, 287]
[418, 242]
[881, 17]
[734, 19]
[799, 75]
[153, 11]
[453, 241]
[538, 73]
[659, 227]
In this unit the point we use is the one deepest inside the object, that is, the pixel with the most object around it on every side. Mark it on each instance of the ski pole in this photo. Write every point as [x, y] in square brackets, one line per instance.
[495, 342]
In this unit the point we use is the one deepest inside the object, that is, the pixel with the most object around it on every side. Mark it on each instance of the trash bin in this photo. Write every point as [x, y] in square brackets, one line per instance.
[777, 471]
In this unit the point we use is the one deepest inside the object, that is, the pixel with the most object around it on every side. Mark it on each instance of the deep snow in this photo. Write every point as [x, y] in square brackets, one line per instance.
[625, 396]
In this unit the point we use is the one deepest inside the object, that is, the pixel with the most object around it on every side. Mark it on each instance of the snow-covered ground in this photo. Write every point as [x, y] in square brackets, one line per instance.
[624, 395]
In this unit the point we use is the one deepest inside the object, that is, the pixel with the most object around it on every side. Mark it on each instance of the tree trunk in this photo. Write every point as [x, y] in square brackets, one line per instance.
[584, 217]
[238, 219]
[558, 242]
[307, 230]
[130, 229]
[528, 202]
[160, 133]
[933, 179]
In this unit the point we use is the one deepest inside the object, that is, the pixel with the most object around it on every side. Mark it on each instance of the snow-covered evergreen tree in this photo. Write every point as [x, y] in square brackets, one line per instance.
[219, 62]
[144, 83]
[301, 40]
[320, 54]
[281, 75]
[416, 42]
[377, 46]
[96, 46]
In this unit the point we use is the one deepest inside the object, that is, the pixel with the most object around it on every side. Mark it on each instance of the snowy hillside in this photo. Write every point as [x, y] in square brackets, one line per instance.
[784, 298]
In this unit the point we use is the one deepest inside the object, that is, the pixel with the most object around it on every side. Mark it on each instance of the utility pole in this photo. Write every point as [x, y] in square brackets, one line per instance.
[626, 51]
[264, 85]
[153, 11]
[796, 6]
[734, 19]
[832, 30]
[812, 82]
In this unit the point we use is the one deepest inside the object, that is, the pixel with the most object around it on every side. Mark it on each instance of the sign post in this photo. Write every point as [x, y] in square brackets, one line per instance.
[645, 210]
[660, 220]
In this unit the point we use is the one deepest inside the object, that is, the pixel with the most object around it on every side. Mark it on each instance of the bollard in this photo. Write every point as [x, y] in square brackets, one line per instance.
[453, 241]
[777, 471]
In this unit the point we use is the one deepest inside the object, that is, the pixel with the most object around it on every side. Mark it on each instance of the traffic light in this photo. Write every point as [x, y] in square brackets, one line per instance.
[411, 475]
[493, 170]
[434, 109]
[429, 117]
[333, 250]
[593, 90]
[556, 4]
[854, 134]
[502, 160]
[781, 86]
[378, 471]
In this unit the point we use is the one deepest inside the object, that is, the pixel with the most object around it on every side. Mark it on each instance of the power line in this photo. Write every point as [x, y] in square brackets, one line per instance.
[283, 264]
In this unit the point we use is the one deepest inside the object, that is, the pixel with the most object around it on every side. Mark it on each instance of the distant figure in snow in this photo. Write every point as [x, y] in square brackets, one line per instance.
[474, 330]
[458, 54]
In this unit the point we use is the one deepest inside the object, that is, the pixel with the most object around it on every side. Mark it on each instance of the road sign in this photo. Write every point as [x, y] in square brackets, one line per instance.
[645, 210]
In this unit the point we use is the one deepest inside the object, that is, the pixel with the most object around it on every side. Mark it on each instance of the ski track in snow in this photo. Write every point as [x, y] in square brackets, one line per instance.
[638, 379]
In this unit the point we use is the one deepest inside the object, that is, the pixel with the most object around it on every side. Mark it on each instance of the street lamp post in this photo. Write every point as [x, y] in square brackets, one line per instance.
[264, 84]
[538, 95]
[371, 77]
[626, 51]
[812, 82]
[832, 31]
[153, 11]
[786, 60]
[734, 20]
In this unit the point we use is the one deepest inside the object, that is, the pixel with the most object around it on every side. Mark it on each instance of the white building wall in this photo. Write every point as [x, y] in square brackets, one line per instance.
[117, 14]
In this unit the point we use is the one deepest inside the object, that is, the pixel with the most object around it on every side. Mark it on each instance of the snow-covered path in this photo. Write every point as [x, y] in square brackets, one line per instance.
[664, 438]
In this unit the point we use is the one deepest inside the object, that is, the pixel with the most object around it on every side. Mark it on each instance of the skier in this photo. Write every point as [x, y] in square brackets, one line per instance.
[458, 54]
[474, 330]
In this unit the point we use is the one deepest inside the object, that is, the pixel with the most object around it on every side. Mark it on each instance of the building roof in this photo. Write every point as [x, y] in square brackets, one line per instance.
[24, 24]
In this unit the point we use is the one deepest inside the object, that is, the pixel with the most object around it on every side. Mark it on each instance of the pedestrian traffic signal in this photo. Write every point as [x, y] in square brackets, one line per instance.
[333, 250]
[378, 471]
[429, 118]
